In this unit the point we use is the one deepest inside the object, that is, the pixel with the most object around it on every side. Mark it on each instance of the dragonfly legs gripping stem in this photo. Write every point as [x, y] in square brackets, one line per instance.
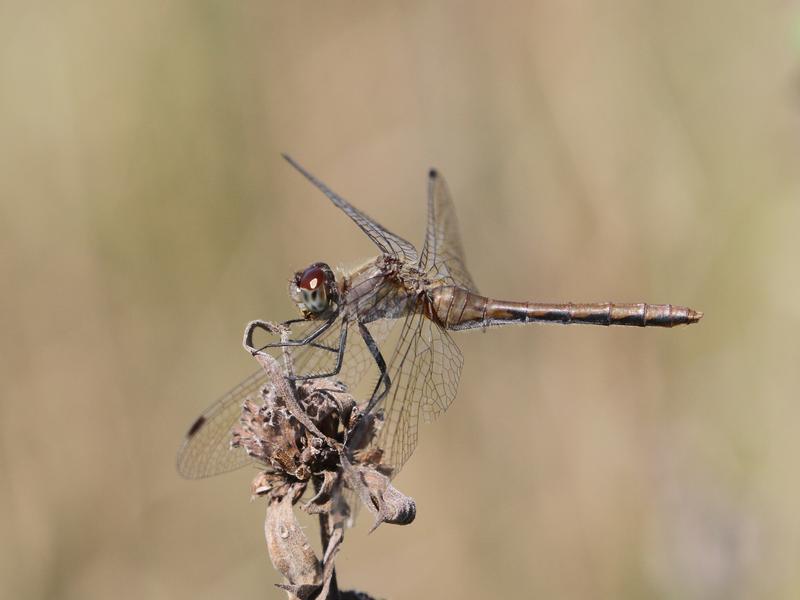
[383, 384]
[302, 342]
[307, 341]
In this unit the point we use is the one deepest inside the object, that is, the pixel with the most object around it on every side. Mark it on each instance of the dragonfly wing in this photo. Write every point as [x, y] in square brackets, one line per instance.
[442, 255]
[424, 370]
[206, 451]
[388, 242]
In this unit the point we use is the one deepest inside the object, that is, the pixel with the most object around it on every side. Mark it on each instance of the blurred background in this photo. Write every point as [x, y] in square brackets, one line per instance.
[613, 150]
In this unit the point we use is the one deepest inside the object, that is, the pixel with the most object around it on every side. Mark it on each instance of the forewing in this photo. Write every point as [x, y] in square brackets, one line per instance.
[424, 371]
[388, 242]
[442, 255]
[206, 450]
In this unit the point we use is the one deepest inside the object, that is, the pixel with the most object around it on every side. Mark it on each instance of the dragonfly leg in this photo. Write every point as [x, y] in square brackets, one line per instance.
[293, 321]
[339, 357]
[301, 342]
[384, 378]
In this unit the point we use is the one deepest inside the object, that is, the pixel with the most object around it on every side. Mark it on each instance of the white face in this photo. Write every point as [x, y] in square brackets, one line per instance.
[311, 290]
[316, 300]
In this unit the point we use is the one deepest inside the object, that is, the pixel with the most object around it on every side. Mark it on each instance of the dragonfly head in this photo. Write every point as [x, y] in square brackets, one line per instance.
[314, 290]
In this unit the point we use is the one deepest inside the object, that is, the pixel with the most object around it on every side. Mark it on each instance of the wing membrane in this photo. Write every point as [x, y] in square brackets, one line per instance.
[424, 371]
[206, 450]
[442, 255]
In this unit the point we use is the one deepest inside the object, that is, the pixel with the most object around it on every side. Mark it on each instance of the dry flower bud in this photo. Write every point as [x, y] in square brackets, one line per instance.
[314, 433]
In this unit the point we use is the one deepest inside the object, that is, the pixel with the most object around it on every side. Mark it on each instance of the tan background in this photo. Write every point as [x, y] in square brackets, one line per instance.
[596, 151]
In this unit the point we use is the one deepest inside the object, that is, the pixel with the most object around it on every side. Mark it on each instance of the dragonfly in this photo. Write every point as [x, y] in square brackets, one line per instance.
[349, 323]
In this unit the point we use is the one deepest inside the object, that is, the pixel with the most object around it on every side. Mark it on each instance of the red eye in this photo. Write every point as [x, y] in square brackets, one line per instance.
[312, 278]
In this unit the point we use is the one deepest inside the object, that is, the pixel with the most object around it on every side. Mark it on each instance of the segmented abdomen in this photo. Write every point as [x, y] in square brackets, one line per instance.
[457, 308]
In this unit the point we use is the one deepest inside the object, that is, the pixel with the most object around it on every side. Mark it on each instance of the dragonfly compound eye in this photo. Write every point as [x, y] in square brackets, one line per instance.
[313, 278]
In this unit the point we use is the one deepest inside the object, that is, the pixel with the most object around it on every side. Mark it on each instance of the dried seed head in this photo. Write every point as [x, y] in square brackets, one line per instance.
[314, 433]
[270, 433]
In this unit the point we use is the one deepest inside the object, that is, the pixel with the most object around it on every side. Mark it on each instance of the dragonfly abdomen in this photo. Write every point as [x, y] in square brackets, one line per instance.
[457, 308]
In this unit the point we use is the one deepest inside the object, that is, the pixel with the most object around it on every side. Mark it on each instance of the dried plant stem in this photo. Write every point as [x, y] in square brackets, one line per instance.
[325, 535]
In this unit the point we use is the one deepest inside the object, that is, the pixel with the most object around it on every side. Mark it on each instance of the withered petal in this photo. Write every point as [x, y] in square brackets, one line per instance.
[288, 546]
[381, 498]
[397, 508]
[321, 501]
